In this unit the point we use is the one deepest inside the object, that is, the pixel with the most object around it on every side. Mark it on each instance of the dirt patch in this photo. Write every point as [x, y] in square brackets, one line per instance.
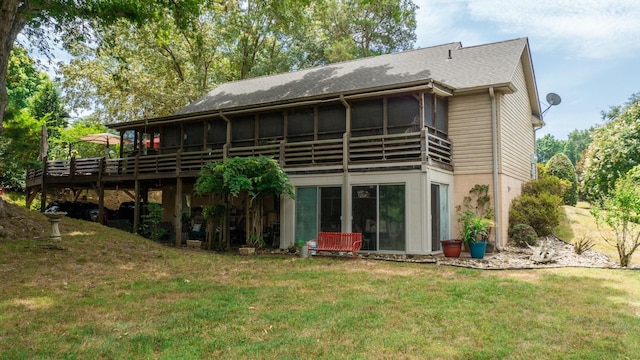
[20, 223]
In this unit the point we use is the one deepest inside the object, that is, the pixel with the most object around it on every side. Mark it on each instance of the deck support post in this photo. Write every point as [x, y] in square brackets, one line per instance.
[177, 214]
[100, 191]
[136, 206]
[43, 186]
[100, 203]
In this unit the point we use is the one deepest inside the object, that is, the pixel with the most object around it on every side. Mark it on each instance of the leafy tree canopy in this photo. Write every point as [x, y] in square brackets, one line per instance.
[577, 142]
[23, 79]
[614, 151]
[157, 68]
[71, 20]
[257, 176]
[561, 167]
[547, 146]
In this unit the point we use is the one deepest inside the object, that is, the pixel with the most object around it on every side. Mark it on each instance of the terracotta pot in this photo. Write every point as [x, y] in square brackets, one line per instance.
[451, 247]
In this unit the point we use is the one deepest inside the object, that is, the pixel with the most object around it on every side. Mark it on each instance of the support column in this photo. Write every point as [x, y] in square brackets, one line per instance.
[43, 198]
[101, 204]
[136, 206]
[43, 186]
[177, 212]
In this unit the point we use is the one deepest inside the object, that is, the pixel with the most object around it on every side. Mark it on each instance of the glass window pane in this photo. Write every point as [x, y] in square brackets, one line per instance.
[392, 217]
[306, 214]
[444, 212]
[365, 215]
[330, 209]
[439, 215]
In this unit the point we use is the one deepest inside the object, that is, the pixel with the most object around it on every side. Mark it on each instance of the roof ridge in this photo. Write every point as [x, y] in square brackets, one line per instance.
[493, 43]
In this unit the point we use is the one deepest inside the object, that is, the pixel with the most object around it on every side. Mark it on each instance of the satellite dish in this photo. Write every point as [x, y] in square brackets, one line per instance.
[553, 99]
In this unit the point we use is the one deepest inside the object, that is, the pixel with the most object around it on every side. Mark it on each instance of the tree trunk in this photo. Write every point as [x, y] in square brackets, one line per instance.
[12, 21]
[3, 211]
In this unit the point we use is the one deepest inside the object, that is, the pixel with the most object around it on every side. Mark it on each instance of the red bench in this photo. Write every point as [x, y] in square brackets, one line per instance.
[337, 242]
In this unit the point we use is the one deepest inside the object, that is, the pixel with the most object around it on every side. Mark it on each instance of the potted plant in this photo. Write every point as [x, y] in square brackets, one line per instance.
[253, 243]
[475, 232]
[476, 218]
[292, 249]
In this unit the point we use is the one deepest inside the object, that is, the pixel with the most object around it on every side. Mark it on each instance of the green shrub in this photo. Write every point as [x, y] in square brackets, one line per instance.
[549, 184]
[542, 212]
[523, 234]
[561, 167]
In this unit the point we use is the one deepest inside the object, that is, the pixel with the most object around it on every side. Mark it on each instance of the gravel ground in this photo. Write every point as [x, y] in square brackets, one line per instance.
[513, 258]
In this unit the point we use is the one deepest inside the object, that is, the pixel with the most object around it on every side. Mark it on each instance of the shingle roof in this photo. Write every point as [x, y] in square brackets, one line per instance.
[469, 67]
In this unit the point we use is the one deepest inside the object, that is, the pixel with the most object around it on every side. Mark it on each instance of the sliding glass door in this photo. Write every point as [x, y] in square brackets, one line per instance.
[439, 215]
[379, 214]
[317, 209]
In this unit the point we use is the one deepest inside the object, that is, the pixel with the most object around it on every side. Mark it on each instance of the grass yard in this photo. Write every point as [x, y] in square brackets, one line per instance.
[577, 223]
[112, 295]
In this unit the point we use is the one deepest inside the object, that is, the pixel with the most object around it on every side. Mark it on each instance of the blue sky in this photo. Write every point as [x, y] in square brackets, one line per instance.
[586, 51]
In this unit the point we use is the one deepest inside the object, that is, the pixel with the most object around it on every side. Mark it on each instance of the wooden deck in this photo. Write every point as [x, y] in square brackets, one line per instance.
[386, 151]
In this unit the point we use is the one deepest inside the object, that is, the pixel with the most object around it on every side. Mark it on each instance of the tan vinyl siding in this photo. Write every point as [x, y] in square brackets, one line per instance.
[470, 133]
[516, 131]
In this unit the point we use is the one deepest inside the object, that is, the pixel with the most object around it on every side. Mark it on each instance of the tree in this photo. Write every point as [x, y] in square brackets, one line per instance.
[547, 146]
[156, 69]
[576, 143]
[46, 104]
[614, 151]
[19, 147]
[22, 81]
[255, 176]
[561, 167]
[621, 212]
[34, 101]
[359, 28]
[68, 144]
[71, 21]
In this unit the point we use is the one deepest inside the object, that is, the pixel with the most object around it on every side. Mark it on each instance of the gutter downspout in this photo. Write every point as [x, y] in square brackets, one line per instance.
[496, 197]
[346, 181]
[534, 160]
[227, 144]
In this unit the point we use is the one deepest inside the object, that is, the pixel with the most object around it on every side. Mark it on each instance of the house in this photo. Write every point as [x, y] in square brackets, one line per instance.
[386, 145]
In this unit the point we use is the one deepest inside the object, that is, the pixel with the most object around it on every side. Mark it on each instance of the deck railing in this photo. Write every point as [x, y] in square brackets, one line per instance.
[391, 149]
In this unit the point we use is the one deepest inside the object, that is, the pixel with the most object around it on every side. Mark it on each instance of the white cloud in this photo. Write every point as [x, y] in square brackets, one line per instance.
[586, 28]
[441, 22]
[589, 28]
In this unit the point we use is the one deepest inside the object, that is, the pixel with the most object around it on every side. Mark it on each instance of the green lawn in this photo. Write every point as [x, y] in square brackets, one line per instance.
[108, 294]
[577, 223]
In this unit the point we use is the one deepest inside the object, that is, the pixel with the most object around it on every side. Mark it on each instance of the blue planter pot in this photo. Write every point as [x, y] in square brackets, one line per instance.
[477, 249]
